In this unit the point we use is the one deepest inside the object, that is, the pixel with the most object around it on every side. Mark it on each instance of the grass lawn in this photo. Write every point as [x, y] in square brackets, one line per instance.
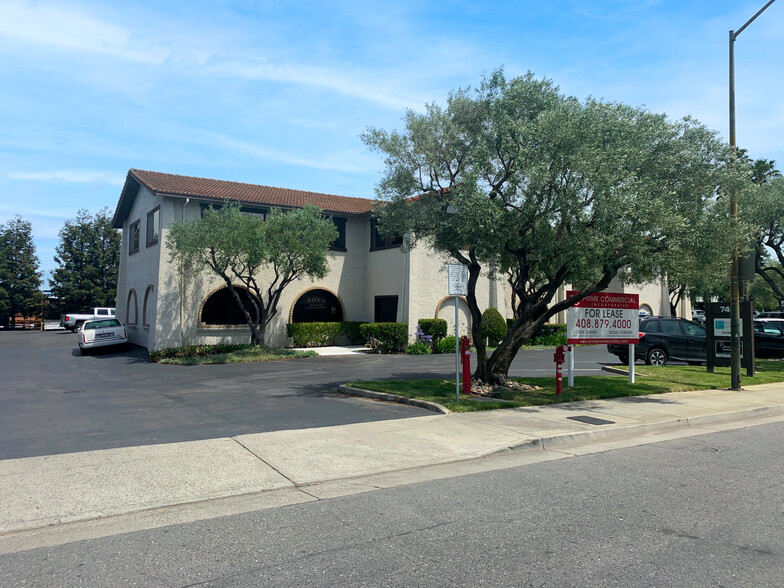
[228, 354]
[649, 380]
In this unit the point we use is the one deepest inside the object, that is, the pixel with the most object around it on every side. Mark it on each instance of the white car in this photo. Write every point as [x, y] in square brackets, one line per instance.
[101, 333]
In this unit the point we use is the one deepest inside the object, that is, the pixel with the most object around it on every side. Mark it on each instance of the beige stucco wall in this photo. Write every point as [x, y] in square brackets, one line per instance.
[429, 292]
[139, 273]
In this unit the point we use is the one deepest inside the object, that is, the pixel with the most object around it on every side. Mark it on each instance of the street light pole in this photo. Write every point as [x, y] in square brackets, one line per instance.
[735, 377]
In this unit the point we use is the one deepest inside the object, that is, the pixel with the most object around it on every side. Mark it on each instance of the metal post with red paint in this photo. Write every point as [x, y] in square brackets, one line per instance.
[559, 357]
[465, 358]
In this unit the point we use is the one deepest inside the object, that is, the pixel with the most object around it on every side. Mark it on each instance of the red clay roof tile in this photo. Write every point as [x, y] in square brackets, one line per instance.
[219, 190]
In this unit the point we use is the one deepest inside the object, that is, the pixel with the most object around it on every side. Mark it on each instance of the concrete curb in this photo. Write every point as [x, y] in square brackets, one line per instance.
[434, 406]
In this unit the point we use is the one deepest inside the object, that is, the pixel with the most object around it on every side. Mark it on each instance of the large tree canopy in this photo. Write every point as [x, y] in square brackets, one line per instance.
[88, 259]
[516, 177]
[20, 278]
[237, 247]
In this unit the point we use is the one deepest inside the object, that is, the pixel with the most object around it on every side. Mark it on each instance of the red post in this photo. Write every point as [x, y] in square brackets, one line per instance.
[559, 357]
[465, 358]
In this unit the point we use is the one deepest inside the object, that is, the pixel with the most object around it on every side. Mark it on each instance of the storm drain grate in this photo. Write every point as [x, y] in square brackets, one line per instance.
[591, 420]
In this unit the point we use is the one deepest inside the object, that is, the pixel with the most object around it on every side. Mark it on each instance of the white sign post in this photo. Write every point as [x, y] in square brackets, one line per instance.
[458, 286]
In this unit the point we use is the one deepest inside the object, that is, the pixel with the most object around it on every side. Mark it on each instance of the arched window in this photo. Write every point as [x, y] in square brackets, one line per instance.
[132, 308]
[221, 308]
[317, 306]
[147, 308]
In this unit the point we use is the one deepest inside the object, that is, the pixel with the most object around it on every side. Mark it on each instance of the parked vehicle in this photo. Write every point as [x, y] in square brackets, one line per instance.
[768, 338]
[74, 321]
[669, 338]
[663, 339]
[771, 314]
[698, 315]
[102, 333]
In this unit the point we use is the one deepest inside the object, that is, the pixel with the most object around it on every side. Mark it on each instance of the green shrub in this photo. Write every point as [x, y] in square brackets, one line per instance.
[493, 326]
[194, 351]
[351, 330]
[549, 335]
[385, 337]
[313, 334]
[436, 328]
[446, 345]
[419, 348]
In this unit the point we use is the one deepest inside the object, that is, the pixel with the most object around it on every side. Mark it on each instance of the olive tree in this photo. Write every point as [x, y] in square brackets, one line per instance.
[245, 249]
[517, 178]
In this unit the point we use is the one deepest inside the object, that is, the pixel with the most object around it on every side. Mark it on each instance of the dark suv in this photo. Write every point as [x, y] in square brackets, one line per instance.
[665, 338]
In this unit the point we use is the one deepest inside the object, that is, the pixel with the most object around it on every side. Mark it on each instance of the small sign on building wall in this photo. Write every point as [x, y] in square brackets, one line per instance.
[458, 280]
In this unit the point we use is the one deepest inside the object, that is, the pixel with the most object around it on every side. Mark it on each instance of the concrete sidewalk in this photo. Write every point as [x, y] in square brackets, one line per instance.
[249, 472]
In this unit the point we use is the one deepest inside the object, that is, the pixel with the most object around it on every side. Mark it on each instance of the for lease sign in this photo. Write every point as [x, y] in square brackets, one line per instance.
[605, 317]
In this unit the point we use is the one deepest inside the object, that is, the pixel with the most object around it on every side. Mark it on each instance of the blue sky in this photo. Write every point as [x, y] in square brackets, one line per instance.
[277, 93]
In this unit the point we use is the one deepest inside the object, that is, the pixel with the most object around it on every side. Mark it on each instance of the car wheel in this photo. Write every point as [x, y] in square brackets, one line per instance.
[78, 327]
[656, 356]
[624, 359]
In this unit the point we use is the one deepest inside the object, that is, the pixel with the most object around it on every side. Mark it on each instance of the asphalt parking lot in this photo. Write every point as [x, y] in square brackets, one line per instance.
[54, 400]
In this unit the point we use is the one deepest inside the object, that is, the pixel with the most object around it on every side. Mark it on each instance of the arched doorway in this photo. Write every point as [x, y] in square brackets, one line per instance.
[317, 306]
[221, 308]
[446, 310]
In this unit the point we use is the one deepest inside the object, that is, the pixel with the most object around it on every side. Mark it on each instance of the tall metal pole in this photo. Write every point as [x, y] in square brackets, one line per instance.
[735, 376]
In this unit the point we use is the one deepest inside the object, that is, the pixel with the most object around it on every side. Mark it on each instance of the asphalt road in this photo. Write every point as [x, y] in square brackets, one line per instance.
[699, 511]
[55, 400]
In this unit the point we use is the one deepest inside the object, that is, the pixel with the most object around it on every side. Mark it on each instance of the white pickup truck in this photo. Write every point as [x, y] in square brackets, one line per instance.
[74, 321]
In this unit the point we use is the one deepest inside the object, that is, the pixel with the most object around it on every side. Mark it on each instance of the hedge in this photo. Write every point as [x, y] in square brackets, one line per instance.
[386, 337]
[436, 328]
[313, 334]
[194, 350]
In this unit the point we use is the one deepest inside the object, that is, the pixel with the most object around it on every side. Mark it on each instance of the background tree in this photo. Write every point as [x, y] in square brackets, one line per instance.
[551, 191]
[762, 294]
[237, 247]
[88, 258]
[20, 279]
[765, 210]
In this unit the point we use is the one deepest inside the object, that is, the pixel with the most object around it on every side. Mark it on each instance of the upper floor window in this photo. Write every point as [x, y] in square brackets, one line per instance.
[379, 242]
[134, 236]
[153, 226]
[339, 244]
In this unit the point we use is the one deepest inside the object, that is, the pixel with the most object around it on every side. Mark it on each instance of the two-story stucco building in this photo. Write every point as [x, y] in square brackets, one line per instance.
[370, 279]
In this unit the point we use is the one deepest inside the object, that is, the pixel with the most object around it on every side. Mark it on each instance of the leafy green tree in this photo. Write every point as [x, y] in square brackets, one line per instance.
[758, 170]
[20, 278]
[760, 291]
[88, 258]
[765, 210]
[516, 178]
[237, 247]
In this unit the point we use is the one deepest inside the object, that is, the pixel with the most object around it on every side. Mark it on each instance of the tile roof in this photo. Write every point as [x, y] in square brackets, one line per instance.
[186, 186]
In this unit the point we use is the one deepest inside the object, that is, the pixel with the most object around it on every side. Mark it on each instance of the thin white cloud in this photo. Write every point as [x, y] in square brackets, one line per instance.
[254, 150]
[71, 176]
[51, 26]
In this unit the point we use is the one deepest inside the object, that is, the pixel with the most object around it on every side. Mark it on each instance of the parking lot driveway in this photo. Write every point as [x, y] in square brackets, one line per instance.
[54, 400]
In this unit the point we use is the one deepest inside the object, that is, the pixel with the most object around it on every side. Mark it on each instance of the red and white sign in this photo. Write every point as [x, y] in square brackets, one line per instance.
[604, 317]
